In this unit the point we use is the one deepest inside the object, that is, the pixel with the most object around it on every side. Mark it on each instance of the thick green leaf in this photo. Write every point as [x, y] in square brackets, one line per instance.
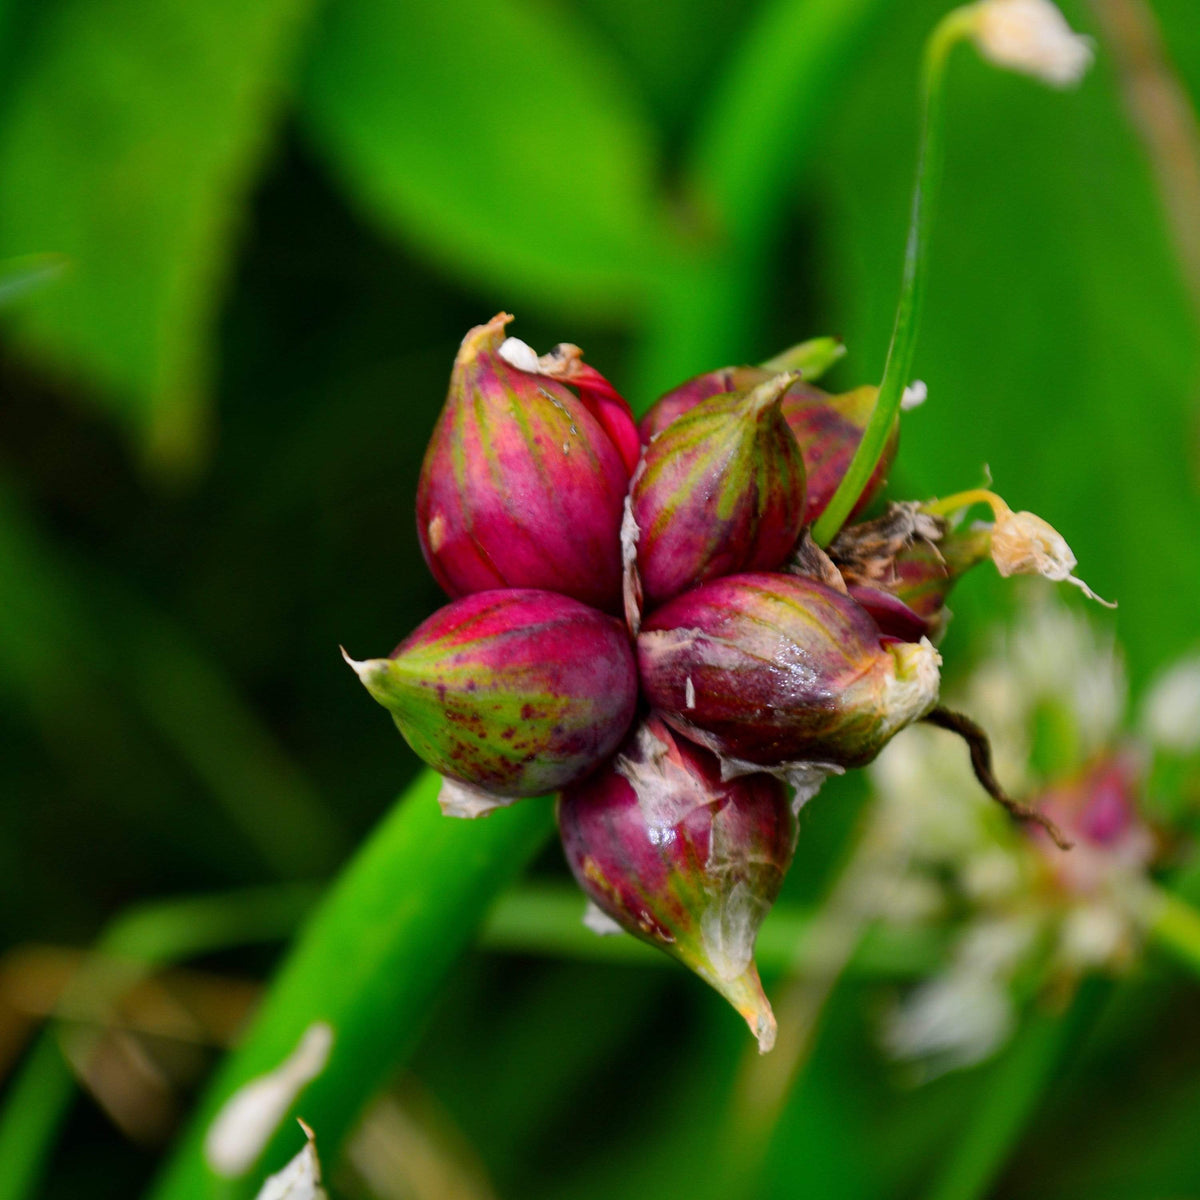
[369, 964]
[496, 137]
[129, 137]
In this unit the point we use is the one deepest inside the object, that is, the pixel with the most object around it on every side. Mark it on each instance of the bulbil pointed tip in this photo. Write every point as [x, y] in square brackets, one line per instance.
[770, 394]
[745, 993]
[482, 338]
[360, 667]
[811, 358]
[684, 858]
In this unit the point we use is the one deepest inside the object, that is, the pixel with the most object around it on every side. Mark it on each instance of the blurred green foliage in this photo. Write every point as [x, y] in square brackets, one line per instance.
[277, 221]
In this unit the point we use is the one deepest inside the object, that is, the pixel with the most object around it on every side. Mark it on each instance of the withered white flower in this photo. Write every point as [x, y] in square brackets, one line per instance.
[1021, 543]
[1024, 544]
[1033, 37]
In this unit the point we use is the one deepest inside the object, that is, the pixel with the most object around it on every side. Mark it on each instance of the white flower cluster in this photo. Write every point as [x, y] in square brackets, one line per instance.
[1086, 905]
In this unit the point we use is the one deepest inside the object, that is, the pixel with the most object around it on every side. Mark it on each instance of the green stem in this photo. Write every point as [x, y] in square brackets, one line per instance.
[369, 964]
[897, 369]
[140, 941]
[35, 1107]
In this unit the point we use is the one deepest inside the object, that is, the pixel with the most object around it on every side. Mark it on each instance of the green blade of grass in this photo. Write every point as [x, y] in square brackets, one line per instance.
[146, 938]
[369, 964]
[545, 919]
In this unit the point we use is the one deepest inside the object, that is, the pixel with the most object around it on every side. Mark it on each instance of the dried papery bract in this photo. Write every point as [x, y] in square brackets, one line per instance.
[902, 566]
[1019, 543]
[514, 692]
[522, 486]
[683, 859]
[720, 490]
[683, 398]
[779, 670]
[811, 358]
[565, 363]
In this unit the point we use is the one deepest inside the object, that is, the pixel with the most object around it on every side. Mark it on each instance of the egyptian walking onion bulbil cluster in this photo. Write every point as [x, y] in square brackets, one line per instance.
[659, 623]
[682, 741]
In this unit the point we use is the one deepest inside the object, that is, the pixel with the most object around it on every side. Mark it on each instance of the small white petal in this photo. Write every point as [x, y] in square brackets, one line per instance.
[1093, 935]
[519, 354]
[952, 1020]
[1171, 712]
[914, 395]
[240, 1131]
[1033, 37]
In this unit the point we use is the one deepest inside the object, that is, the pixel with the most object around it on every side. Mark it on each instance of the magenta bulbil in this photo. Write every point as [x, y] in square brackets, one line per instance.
[521, 484]
[515, 692]
[775, 670]
[721, 490]
[683, 859]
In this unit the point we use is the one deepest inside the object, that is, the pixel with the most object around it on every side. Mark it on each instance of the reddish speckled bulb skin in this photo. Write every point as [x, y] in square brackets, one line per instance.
[515, 691]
